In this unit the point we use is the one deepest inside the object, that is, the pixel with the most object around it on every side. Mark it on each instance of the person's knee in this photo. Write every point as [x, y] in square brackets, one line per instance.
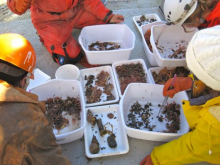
[66, 53]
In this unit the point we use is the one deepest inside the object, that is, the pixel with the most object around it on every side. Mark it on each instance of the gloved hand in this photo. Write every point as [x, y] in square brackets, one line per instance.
[117, 18]
[180, 84]
[146, 161]
[21, 6]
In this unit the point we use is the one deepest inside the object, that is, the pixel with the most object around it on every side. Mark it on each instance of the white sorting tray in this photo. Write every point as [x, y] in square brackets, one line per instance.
[148, 16]
[145, 93]
[95, 71]
[135, 61]
[39, 78]
[118, 130]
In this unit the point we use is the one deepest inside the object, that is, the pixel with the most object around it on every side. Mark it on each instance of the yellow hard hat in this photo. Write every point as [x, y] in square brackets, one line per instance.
[18, 51]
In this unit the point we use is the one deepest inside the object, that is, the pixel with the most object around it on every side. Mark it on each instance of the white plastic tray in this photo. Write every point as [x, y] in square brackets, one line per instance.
[118, 130]
[63, 88]
[39, 78]
[148, 16]
[171, 37]
[114, 65]
[95, 71]
[144, 93]
[149, 53]
[116, 33]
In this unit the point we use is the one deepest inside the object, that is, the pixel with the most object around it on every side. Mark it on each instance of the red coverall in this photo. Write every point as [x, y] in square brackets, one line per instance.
[54, 21]
[213, 18]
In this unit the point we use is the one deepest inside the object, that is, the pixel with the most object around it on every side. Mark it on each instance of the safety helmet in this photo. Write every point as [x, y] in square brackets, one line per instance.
[18, 51]
[177, 11]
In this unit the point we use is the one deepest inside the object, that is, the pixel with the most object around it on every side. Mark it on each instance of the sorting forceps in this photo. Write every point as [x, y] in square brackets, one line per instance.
[166, 98]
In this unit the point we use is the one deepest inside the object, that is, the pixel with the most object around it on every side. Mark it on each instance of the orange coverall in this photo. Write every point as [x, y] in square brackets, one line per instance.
[54, 21]
[213, 18]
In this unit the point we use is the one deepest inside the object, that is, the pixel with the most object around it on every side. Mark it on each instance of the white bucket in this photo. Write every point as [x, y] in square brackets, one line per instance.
[67, 72]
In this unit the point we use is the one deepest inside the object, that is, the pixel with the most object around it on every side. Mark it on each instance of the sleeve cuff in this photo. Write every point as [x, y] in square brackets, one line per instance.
[108, 17]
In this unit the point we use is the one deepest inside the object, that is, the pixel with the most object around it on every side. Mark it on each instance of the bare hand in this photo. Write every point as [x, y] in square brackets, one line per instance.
[117, 18]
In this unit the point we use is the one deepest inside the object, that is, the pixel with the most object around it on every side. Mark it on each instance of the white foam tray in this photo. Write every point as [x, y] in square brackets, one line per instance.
[171, 37]
[95, 71]
[118, 130]
[147, 51]
[135, 61]
[63, 88]
[148, 16]
[116, 33]
[144, 93]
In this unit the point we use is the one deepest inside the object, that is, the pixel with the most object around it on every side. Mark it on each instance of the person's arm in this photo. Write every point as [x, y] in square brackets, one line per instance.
[189, 148]
[42, 149]
[97, 8]
[19, 6]
[214, 22]
[180, 84]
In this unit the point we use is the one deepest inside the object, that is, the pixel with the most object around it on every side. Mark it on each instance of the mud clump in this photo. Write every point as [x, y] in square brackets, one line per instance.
[111, 141]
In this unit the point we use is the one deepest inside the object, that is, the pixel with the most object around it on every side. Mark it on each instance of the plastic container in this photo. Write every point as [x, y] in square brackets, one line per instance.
[116, 33]
[67, 72]
[63, 89]
[147, 51]
[147, 16]
[158, 69]
[39, 78]
[144, 93]
[169, 38]
[114, 65]
[95, 71]
[118, 130]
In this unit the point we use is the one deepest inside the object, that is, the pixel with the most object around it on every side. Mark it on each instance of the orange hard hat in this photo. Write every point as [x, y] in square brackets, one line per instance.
[18, 51]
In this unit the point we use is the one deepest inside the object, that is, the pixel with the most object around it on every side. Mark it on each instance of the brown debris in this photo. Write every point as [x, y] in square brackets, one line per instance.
[171, 113]
[110, 115]
[147, 39]
[103, 46]
[130, 73]
[108, 88]
[89, 79]
[102, 78]
[55, 107]
[110, 97]
[179, 53]
[165, 74]
[143, 20]
[93, 94]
